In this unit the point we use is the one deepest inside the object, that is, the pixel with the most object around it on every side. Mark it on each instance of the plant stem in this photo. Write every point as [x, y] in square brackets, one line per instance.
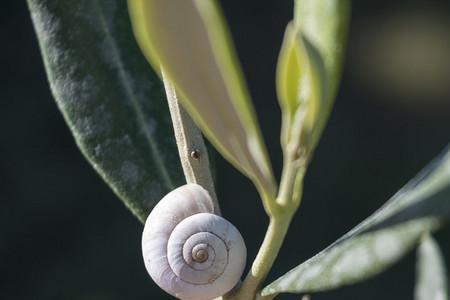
[190, 144]
[276, 232]
[280, 218]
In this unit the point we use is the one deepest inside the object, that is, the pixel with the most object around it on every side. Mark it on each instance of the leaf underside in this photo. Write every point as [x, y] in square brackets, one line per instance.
[111, 99]
[431, 278]
[422, 206]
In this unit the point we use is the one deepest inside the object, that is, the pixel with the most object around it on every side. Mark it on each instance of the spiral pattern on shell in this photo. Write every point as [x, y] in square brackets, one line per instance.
[188, 251]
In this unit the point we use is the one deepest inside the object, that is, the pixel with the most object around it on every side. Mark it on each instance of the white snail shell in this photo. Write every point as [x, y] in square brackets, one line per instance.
[188, 251]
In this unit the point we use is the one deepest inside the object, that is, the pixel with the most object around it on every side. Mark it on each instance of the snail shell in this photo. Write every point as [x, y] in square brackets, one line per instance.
[188, 251]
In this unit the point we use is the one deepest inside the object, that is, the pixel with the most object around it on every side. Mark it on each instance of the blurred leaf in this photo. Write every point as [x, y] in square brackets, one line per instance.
[113, 104]
[324, 24]
[431, 281]
[189, 39]
[381, 240]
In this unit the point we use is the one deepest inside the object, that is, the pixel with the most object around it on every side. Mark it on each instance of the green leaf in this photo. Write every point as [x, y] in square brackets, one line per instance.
[431, 281]
[300, 87]
[190, 41]
[324, 24]
[113, 103]
[423, 205]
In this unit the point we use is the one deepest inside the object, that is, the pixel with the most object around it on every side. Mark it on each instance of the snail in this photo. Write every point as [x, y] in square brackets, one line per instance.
[190, 252]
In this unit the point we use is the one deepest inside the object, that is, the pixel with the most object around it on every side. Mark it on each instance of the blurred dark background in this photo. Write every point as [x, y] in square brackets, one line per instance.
[65, 235]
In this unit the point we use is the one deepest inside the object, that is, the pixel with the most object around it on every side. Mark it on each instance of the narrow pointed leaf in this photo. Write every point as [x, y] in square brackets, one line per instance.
[300, 87]
[431, 281]
[190, 41]
[324, 23]
[113, 104]
[423, 205]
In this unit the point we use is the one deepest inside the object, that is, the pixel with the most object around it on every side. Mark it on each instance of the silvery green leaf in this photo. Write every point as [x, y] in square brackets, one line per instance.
[113, 103]
[190, 41]
[423, 205]
[431, 277]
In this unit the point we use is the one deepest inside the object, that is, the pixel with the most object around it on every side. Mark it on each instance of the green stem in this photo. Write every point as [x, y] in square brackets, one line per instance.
[288, 180]
[273, 240]
[283, 209]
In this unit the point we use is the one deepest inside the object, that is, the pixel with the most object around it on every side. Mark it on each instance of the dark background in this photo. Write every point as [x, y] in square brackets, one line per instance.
[65, 235]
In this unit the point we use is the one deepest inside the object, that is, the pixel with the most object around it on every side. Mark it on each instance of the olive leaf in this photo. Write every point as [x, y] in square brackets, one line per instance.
[309, 68]
[431, 278]
[190, 41]
[113, 103]
[300, 87]
[423, 205]
[324, 23]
